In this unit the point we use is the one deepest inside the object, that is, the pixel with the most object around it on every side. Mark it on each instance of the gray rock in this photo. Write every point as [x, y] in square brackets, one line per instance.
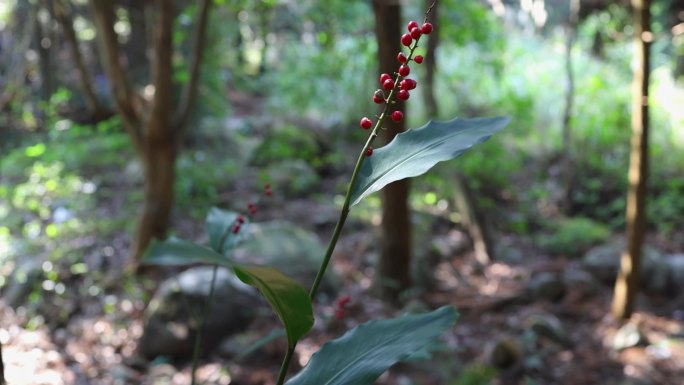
[548, 286]
[675, 264]
[603, 262]
[580, 280]
[170, 328]
[292, 250]
[549, 327]
[628, 336]
[22, 282]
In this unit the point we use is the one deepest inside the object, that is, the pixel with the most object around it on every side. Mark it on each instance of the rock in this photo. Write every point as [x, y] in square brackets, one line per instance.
[548, 286]
[603, 262]
[628, 336]
[675, 264]
[22, 282]
[170, 329]
[292, 250]
[504, 353]
[580, 280]
[549, 327]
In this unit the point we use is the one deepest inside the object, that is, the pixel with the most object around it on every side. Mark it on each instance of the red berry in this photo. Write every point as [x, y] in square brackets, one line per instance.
[397, 116]
[415, 33]
[366, 123]
[369, 152]
[406, 39]
[339, 314]
[378, 99]
[344, 300]
[251, 208]
[384, 77]
[240, 219]
[411, 25]
[401, 58]
[418, 59]
[402, 95]
[268, 192]
[408, 84]
[236, 229]
[404, 70]
[426, 28]
[388, 84]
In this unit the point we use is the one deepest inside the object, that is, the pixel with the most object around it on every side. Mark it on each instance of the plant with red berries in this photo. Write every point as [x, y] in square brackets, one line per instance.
[362, 354]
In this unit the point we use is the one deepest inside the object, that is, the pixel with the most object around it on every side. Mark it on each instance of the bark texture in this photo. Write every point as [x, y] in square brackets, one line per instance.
[393, 272]
[627, 283]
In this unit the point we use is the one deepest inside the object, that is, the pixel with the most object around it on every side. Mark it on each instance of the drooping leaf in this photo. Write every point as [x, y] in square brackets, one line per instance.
[287, 298]
[177, 252]
[414, 152]
[219, 227]
[365, 352]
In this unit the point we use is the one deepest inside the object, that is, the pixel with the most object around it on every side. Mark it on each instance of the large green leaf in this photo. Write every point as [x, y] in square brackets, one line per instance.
[365, 352]
[414, 152]
[219, 227]
[175, 251]
[287, 298]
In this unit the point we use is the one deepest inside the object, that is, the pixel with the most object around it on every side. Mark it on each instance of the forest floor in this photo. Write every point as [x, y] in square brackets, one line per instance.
[499, 325]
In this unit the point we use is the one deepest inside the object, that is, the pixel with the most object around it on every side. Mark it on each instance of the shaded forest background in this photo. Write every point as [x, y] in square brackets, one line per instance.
[127, 120]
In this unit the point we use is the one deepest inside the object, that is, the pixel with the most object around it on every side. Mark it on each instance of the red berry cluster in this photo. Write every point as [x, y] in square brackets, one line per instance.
[399, 87]
[251, 209]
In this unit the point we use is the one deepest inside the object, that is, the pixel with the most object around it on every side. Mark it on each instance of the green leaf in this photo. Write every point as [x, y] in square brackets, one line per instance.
[219, 225]
[414, 152]
[287, 298]
[365, 352]
[175, 251]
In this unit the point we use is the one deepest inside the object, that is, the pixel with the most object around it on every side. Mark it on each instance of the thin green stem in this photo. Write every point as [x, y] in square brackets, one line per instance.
[344, 212]
[285, 365]
[201, 325]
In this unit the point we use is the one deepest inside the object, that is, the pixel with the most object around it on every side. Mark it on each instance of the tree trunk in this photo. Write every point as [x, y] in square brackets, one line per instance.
[431, 64]
[2, 368]
[393, 273]
[159, 167]
[567, 169]
[43, 43]
[475, 222]
[153, 127]
[626, 285]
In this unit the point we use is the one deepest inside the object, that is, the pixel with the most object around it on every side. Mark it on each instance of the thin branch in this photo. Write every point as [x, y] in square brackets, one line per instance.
[103, 12]
[65, 20]
[190, 90]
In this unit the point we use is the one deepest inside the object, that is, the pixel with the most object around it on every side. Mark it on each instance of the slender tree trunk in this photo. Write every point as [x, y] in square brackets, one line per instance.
[431, 63]
[64, 19]
[626, 286]
[155, 127]
[137, 49]
[567, 169]
[475, 221]
[393, 274]
[159, 167]
[2, 368]
[43, 42]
